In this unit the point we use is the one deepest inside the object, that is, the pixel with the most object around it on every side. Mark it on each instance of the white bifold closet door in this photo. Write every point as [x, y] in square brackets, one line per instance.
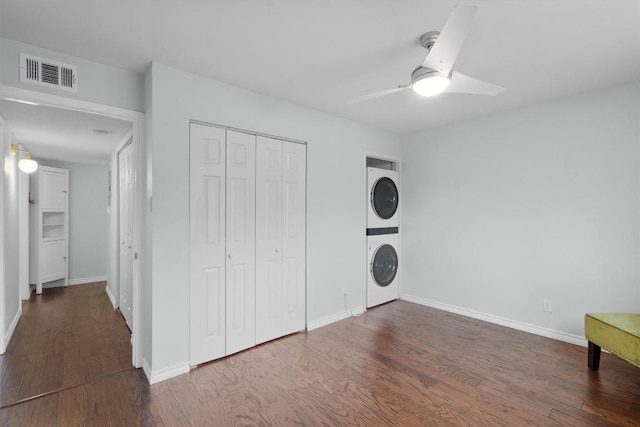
[280, 238]
[241, 241]
[222, 242]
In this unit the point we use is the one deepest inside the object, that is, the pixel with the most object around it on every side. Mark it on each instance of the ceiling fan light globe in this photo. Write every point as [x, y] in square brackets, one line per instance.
[431, 85]
[28, 165]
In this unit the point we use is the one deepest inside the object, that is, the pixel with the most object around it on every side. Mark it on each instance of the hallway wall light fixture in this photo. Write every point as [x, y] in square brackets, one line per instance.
[27, 164]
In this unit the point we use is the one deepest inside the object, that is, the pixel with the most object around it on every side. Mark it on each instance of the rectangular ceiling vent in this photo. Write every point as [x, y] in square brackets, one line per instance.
[45, 72]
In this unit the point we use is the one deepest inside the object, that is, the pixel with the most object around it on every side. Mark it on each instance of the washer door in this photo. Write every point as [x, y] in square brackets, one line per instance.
[384, 197]
[384, 265]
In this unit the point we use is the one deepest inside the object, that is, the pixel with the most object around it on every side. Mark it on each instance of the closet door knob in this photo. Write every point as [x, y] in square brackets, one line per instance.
[229, 256]
[276, 250]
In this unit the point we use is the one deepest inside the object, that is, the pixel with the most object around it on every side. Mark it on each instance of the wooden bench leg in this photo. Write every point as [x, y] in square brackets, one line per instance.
[594, 356]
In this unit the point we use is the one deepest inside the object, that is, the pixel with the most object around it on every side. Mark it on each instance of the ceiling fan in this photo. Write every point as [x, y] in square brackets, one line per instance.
[434, 75]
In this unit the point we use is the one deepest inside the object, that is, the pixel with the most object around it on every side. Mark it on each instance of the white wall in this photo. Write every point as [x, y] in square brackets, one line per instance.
[335, 196]
[88, 220]
[10, 241]
[542, 202]
[99, 83]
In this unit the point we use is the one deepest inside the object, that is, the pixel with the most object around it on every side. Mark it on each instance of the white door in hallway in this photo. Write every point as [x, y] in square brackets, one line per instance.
[125, 224]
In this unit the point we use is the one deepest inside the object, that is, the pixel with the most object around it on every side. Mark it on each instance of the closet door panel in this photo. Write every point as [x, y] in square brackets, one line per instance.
[294, 237]
[54, 190]
[240, 237]
[247, 240]
[54, 260]
[268, 239]
[207, 297]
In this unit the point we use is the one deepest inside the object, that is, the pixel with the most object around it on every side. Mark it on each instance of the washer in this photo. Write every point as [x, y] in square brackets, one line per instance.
[383, 198]
[382, 274]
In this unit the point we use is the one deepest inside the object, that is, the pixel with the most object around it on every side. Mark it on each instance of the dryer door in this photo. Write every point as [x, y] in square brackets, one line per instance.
[384, 197]
[384, 265]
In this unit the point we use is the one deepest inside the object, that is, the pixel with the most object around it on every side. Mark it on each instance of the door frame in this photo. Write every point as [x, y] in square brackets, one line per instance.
[3, 344]
[137, 123]
[23, 227]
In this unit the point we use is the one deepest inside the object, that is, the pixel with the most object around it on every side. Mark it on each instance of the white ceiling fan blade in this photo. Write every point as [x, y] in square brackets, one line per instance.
[376, 95]
[461, 83]
[444, 52]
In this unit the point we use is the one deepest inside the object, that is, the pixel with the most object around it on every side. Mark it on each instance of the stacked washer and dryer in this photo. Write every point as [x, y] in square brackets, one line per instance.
[382, 236]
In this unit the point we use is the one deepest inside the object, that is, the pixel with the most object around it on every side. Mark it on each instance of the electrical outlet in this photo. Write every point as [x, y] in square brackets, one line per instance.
[547, 306]
[344, 292]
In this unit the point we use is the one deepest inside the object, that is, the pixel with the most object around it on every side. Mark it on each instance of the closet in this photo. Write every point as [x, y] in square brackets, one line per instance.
[247, 240]
[280, 243]
[49, 226]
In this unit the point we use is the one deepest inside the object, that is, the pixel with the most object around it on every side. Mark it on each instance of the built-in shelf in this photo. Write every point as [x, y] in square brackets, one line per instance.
[53, 232]
[49, 226]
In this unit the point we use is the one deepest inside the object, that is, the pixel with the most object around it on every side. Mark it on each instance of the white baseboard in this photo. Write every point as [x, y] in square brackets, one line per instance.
[315, 324]
[513, 324]
[165, 374]
[72, 282]
[12, 327]
[334, 318]
[85, 280]
[146, 369]
[111, 297]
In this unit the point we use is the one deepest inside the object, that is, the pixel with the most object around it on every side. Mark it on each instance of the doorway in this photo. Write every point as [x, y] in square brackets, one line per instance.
[135, 205]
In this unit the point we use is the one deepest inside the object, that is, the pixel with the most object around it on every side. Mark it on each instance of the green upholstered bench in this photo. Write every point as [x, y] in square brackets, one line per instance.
[618, 333]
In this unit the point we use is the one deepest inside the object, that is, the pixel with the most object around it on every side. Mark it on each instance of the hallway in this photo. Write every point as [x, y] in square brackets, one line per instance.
[65, 337]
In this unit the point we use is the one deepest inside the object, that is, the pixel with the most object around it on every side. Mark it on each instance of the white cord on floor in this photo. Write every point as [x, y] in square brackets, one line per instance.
[350, 310]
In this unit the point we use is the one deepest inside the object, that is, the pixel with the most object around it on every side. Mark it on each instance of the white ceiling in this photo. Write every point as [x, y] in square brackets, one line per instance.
[66, 135]
[321, 53]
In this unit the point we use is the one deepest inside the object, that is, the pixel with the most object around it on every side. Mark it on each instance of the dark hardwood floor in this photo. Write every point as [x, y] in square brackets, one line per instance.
[65, 337]
[400, 364]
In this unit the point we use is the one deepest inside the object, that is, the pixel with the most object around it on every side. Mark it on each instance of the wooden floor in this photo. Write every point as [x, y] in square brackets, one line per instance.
[65, 337]
[400, 364]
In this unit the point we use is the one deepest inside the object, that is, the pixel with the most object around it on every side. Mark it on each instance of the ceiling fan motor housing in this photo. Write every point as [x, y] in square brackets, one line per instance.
[423, 73]
[428, 82]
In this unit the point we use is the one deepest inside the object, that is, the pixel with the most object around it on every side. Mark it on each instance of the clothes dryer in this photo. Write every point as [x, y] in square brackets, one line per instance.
[382, 198]
[382, 274]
